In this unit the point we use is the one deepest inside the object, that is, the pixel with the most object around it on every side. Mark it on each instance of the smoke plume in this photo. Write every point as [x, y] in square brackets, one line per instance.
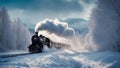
[56, 27]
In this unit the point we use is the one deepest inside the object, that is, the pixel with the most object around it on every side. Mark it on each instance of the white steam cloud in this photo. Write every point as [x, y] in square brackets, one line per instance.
[56, 27]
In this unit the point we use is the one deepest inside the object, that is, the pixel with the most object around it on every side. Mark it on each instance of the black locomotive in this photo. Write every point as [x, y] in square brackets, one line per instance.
[38, 43]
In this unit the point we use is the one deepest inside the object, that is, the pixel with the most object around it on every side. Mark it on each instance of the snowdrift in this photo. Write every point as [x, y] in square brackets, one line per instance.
[64, 59]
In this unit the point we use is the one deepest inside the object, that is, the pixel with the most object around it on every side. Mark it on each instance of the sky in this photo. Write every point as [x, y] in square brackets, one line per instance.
[33, 11]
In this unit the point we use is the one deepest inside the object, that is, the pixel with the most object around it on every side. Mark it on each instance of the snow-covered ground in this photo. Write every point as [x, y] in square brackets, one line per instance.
[64, 59]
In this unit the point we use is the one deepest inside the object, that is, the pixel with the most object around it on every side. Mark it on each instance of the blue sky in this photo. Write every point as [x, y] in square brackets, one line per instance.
[32, 11]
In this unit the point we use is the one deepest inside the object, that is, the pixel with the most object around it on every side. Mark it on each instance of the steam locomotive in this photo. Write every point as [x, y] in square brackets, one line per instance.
[38, 47]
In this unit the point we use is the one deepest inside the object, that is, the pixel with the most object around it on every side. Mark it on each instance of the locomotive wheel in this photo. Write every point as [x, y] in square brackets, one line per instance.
[35, 48]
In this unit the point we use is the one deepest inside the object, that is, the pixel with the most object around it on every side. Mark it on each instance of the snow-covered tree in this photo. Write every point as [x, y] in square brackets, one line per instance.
[13, 34]
[116, 8]
[104, 25]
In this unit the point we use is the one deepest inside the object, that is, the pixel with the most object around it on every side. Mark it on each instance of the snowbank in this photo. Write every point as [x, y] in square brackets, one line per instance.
[64, 59]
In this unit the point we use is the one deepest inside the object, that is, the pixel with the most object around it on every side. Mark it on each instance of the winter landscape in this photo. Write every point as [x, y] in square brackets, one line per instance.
[79, 33]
